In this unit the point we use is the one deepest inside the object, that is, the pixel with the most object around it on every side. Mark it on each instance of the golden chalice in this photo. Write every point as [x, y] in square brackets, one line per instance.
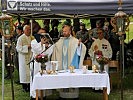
[48, 71]
[95, 69]
[71, 68]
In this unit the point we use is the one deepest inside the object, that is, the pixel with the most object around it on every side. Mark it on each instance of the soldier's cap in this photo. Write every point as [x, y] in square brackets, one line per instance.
[82, 24]
[98, 22]
[19, 27]
[66, 23]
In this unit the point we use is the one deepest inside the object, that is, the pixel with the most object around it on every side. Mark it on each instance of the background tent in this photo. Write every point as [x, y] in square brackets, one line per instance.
[64, 8]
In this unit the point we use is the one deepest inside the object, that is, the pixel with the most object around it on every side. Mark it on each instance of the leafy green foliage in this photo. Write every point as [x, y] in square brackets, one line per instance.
[129, 33]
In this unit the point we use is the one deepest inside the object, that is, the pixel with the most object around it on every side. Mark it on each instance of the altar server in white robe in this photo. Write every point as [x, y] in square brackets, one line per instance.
[43, 47]
[38, 45]
[68, 51]
[100, 46]
[23, 48]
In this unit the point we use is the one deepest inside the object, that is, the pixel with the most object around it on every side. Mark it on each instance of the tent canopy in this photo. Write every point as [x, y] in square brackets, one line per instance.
[64, 8]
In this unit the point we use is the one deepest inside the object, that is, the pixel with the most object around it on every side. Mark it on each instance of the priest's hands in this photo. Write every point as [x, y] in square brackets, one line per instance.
[79, 42]
[29, 46]
[46, 45]
[97, 51]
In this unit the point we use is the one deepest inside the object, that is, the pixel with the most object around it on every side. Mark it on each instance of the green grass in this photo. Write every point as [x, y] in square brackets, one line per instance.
[18, 94]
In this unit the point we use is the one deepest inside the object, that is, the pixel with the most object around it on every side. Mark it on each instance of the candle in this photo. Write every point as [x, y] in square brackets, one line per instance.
[84, 69]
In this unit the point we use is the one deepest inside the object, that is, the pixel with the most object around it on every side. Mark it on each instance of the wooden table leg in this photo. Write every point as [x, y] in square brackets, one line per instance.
[105, 95]
[41, 92]
[36, 94]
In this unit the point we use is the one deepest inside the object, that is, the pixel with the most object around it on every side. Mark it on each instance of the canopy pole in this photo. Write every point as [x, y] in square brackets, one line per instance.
[3, 60]
[3, 64]
[121, 38]
[31, 26]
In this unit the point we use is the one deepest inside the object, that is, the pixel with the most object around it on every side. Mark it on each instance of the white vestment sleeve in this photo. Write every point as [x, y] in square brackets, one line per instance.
[36, 47]
[79, 49]
[91, 51]
[108, 53]
[20, 48]
[49, 51]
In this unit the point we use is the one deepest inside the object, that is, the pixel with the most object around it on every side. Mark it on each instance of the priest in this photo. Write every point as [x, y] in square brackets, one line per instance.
[24, 54]
[68, 51]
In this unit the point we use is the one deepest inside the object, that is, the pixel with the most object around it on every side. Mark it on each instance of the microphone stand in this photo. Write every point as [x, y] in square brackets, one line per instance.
[11, 66]
[32, 73]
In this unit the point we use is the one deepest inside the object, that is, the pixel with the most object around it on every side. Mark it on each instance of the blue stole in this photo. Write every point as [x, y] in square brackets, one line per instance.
[65, 53]
[75, 60]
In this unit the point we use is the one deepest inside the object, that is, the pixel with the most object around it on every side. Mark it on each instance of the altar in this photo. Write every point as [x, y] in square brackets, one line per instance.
[72, 80]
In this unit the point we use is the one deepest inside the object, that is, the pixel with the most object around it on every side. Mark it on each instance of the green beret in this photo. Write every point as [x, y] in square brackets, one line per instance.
[66, 23]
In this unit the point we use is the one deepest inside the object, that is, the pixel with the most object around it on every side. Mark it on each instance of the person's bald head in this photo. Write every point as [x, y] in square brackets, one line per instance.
[66, 30]
[27, 30]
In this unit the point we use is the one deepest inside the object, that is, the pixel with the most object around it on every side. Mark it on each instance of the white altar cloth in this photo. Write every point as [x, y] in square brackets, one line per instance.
[71, 80]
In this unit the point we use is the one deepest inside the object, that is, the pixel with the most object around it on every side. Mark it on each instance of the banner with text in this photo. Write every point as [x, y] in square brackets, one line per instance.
[66, 6]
